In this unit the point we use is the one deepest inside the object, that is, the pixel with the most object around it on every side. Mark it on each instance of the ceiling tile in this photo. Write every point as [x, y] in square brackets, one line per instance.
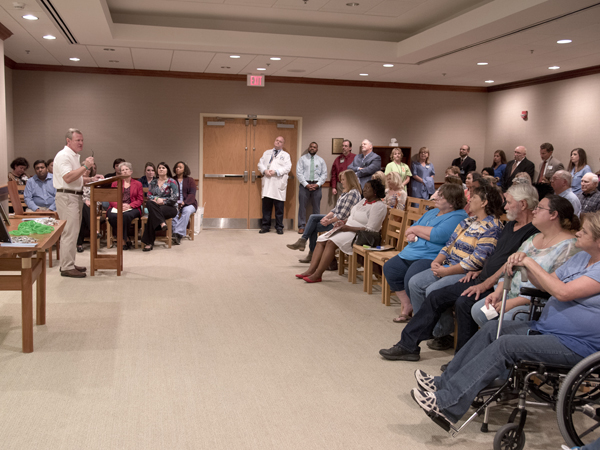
[191, 61]
[151, 59]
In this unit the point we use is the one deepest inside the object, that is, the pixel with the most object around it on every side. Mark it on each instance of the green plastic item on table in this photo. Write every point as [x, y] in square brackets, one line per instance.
[31, 227]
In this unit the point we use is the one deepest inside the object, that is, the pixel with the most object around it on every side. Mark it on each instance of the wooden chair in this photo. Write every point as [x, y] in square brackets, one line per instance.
[343, 264]
[381, 258]
[413, 204]
[426, 205]
[393, 238]
[359, 250]
[168, 238]
[191, 227]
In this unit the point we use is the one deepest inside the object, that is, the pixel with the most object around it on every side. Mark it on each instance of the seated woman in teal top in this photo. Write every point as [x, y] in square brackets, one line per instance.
[426, 239]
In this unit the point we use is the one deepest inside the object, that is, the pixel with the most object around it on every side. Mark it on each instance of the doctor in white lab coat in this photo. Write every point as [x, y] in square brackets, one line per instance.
[275, 165]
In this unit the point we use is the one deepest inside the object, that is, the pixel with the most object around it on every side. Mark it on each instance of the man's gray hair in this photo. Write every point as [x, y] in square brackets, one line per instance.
[370, 143]
[564, 175]
[525, 192]
[593, 177]
[71, 132]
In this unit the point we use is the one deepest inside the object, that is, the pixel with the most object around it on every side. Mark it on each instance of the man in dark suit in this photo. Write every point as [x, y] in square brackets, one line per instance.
[365, 164]
[464, 162]
[517, 165]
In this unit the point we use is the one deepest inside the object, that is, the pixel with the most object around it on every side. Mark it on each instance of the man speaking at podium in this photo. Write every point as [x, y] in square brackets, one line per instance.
[68, 182]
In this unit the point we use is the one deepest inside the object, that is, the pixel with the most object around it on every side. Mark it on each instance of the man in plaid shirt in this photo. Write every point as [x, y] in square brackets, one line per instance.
[589, 196]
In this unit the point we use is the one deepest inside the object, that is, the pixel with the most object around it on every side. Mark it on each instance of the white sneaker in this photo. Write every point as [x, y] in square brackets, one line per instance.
[428, 402]
[425, 381]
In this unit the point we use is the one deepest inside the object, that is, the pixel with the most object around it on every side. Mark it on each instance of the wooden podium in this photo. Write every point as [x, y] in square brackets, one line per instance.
[101, 191]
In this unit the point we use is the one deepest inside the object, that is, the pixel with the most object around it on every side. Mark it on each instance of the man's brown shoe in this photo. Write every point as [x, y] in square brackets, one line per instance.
[73, 273]
[300, 230]
[80, 268]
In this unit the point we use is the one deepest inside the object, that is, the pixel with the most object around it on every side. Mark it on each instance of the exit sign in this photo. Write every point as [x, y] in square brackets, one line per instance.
[255, 80]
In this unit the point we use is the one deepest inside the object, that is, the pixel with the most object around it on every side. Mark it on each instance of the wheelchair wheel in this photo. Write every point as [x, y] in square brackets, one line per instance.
[506, 438]
[578, 406]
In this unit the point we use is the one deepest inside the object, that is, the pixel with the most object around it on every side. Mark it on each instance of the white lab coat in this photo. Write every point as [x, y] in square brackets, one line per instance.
[276, 186]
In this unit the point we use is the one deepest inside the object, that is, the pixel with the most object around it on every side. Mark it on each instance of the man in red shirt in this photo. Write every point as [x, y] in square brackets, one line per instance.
[341, 163]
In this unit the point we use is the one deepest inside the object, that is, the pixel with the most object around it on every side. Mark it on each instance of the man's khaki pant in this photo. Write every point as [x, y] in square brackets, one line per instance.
[69, 208]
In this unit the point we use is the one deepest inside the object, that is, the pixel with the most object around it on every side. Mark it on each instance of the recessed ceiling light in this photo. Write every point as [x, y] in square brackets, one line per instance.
[364, 74]
[225, 67]
[388, 65]
[352, 4]
[564, 41]
[482, 64]
[235, 57]
[489, 81]
[30, 17]
[74, 59]
[554, 67]
[49, 37]
[261, 68]
[108, 49]
[275, 59]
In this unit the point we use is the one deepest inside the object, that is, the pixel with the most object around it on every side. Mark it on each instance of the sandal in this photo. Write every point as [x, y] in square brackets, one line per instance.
[402, 318]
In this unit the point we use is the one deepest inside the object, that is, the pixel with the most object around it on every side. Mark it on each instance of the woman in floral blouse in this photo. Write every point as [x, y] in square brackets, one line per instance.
[162, 200]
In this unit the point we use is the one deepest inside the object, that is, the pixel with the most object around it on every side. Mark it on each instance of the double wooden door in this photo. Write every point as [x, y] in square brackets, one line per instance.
[231, 182]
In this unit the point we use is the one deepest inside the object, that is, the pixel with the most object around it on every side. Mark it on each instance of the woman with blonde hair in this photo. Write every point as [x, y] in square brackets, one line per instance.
[318, 223]
[399, 167]
[395, 195]
[423, 172]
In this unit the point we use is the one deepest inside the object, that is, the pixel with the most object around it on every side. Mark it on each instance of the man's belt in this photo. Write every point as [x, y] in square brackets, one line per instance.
[312, 181]
[70, 191]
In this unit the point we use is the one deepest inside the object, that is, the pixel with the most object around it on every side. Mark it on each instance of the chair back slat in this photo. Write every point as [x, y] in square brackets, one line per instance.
[413, 204]
[409, 219]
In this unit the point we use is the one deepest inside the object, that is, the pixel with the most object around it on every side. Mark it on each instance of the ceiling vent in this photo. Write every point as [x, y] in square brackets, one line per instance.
[60, 23]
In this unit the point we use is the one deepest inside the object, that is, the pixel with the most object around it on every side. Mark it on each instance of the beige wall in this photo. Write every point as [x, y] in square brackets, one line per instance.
[153, 119]
[564, 113]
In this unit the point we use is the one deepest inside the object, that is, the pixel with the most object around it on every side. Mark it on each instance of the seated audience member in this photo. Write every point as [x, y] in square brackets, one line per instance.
[162, 204]
[554, 217]
[473, 241]
[84, 227]
[366, 215]
[487, 172]
[589, 196]
[379, 176]
[50, 165]
[395, 195]
[520, 202]
[186, 203]
[398, 166]
[18, 166]
[116, 164]
[450, 179]
[522, 177]
[422, 185]
[578, 168]
[499, 165]
[426, 237]
[471, 176]
[149, 175]
[133, 198]
[566, 332]
[561, 183]
[319, 223]
[39, 192]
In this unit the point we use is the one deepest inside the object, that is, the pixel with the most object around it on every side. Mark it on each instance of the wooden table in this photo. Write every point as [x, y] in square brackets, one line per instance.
[31, 263]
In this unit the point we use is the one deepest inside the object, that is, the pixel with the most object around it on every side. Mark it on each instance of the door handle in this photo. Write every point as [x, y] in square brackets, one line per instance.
[223, 175]
[253, 176]
[245, 176]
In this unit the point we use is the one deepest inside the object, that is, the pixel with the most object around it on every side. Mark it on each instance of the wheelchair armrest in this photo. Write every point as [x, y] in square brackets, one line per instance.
[531, 292]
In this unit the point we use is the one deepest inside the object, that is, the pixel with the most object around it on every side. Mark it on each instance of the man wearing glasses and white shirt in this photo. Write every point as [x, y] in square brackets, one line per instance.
[68, 181]
[275, 165]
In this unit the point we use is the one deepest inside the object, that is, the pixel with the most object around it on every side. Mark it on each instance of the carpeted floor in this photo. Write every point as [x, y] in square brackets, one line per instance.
[216, 345]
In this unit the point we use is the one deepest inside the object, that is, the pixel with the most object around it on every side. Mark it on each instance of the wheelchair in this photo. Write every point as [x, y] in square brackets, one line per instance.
[573, 392]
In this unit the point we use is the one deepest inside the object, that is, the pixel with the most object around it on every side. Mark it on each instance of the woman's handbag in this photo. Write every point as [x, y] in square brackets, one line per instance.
[370, 238]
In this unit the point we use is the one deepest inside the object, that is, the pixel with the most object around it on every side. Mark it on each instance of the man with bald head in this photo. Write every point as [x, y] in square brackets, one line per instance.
[561, 183]
[519, 164]
[366, 163]
[589, 196]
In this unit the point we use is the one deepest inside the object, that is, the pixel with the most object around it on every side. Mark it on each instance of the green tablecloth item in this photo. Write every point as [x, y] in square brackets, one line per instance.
[32, 227]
